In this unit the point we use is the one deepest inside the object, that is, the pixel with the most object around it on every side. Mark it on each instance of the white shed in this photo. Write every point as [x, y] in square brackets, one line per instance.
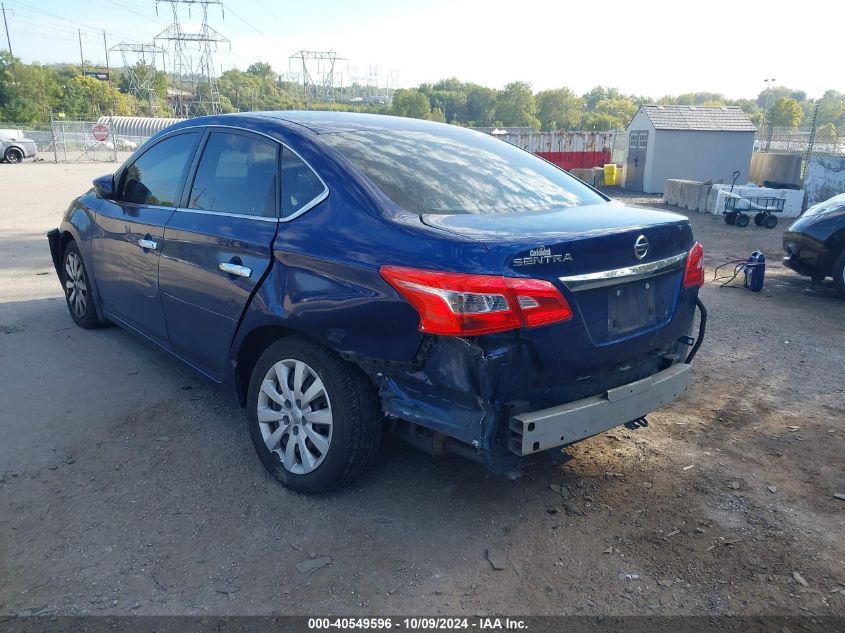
[687, 142]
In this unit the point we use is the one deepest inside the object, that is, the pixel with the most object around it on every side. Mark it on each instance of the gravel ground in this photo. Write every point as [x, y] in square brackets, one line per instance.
[129, 486]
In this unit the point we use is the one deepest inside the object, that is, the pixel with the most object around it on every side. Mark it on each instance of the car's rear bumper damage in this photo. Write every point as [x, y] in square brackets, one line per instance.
[557, 426]
[492, 400]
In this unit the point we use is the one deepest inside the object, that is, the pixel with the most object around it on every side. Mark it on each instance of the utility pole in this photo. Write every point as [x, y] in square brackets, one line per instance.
[106, 47]
[6, 24]
[81, 58]
[202, 95]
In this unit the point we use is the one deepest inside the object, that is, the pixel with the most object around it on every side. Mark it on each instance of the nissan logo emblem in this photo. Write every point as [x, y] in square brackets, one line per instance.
[641, 247]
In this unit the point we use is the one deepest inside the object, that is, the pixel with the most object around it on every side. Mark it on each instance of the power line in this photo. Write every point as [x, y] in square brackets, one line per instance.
[202, 86]
[131, 10]
[6, 24]
[61, 22]
[230, 10]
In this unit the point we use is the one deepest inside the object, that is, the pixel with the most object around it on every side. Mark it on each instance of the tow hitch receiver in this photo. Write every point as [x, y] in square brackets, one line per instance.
[639, 423]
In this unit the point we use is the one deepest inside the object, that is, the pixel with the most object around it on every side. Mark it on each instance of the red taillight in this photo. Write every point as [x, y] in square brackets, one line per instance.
[461, 304]
[694, 274]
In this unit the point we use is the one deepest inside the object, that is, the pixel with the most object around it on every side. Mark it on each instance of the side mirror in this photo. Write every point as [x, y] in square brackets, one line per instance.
[104, 186]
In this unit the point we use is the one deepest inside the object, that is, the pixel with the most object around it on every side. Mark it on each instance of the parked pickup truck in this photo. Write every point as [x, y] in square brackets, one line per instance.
[342, 273]
[14, 146]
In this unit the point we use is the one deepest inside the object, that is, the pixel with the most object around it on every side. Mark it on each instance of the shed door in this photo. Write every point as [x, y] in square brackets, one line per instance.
[637, 146]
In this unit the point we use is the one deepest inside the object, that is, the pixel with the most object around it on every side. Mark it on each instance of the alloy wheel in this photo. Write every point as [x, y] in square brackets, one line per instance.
[295, 415]
[75, 286]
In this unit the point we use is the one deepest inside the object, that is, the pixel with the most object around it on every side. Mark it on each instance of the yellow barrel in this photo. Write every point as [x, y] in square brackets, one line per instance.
[609, 174]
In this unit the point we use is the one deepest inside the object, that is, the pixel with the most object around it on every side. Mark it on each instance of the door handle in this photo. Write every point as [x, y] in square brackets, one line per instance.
[147, 244]
[235, 269]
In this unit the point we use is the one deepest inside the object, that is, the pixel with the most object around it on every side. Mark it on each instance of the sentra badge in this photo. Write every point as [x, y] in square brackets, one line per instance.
[542, 255]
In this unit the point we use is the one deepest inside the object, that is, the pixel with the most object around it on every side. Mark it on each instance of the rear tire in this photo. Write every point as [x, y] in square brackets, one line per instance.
[730, 217]
[314, 419]
[839, 274]
[770, 222]
[742, 220]
[13, 155]
[759, 219]
[77, 288]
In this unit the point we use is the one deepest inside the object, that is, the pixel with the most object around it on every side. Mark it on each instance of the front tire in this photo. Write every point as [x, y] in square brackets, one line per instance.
[314, 419]
[77, 287]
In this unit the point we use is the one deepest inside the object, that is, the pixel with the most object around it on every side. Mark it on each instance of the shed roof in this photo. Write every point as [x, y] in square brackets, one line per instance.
[699, 118]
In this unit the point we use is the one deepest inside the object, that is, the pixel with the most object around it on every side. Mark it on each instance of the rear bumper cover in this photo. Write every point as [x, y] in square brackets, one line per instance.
[567, 423]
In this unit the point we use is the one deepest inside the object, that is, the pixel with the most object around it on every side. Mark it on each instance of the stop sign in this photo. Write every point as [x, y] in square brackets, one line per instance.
[100, 132]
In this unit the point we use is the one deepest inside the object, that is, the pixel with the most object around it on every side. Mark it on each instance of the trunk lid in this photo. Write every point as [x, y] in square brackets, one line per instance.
[615, 318]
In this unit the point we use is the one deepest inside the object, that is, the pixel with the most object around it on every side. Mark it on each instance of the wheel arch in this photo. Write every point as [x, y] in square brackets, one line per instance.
[67, 234]
[250, 349]
[17, 148]
[834, 245]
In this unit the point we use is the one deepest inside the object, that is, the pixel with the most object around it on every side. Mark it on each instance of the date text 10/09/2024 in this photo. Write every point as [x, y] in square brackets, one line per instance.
[419, 624]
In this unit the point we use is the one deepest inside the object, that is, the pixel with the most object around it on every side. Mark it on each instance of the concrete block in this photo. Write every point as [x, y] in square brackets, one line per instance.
[825, 178]
[686, 194]
[792, 206]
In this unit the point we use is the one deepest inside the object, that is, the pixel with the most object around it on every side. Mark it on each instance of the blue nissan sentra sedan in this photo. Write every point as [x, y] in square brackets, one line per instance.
[345, 274]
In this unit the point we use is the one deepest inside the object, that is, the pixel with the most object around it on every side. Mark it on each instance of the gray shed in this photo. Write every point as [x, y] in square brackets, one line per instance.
[687, 142]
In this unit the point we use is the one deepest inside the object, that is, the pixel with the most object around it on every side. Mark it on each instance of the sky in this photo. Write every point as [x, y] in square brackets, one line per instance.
[648, 47]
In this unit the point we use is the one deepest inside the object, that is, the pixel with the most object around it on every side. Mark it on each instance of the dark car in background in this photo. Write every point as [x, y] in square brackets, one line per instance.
[340, 274]
[815, 243]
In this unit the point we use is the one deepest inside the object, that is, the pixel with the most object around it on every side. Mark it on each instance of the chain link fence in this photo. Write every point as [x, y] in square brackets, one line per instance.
[75, 141]
[804, 141]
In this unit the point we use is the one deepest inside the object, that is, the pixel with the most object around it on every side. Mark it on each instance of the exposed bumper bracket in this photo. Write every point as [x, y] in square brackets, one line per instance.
[574, 421]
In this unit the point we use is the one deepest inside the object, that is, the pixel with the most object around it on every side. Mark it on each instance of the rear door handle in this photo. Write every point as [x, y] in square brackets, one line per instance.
[148, 244]
[235, 269]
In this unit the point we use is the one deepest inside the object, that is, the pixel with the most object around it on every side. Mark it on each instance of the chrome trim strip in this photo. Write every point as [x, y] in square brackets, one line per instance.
[603, 278]
[226, 214]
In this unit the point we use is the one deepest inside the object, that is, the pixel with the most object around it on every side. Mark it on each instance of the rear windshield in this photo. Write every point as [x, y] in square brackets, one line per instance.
[459, 171]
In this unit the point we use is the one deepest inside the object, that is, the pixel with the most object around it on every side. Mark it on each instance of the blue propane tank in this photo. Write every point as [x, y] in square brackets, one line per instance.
[755, 271]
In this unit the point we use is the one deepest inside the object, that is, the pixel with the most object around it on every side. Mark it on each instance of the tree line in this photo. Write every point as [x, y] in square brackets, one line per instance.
[31, 93]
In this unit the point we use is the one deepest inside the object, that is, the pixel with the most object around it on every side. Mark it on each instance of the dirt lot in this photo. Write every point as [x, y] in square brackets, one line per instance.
[129, 486]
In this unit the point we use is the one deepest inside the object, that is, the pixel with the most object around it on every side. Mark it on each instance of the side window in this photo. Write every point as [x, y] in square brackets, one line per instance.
[156, 177]
[237, 174]
[300, 185]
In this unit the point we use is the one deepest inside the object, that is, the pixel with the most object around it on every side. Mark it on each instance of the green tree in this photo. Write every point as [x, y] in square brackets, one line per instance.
[559, 109]
[599, 93]
[832, 109]
[826, 133]
[516, 106]
[481, 106]
[411, 103]
[785, 112]
[770, 95]
[263, 70]
[27, 90]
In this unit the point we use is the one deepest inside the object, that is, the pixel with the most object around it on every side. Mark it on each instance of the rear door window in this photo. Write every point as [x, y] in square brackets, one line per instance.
[301, 187]
[156, 178]
[237, 174]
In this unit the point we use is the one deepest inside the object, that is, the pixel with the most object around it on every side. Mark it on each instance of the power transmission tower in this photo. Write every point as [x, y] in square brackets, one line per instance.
[317, 73]
[195, 87]
[140, 68]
